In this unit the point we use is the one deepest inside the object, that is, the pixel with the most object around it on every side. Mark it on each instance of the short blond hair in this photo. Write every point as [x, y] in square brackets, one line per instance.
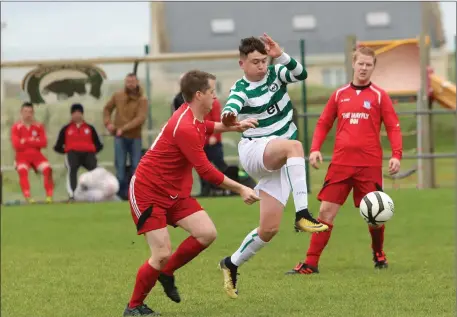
[364, 50]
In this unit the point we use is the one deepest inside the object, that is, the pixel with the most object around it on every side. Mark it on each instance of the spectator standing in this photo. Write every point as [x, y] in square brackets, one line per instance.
[80, 143]
[131, 109]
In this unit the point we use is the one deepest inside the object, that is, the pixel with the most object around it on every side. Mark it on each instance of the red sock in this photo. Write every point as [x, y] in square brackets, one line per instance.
[48, 182]
[377, 238]
[186, 251]
[145, 280]
[318, 242]
[24, 182]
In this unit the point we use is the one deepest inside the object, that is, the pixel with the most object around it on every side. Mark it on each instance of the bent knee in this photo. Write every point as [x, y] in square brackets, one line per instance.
[44, 167]
[328, 211]
[267, 233]
[207, 237]
[160, 257]
[22, 169]
[296, 148]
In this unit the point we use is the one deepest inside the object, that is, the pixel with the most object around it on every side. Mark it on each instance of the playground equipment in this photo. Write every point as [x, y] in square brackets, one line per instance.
[442, 91]
[398, 72]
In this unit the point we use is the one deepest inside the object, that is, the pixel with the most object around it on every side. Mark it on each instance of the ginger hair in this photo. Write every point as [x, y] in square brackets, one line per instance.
[364, 50]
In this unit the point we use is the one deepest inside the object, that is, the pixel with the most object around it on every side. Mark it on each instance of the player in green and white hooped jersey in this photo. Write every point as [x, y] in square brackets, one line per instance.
[270, 153]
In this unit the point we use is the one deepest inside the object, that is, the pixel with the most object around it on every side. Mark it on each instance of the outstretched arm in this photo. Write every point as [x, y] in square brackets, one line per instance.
[287, 69]
[238, 127]
[190, 145]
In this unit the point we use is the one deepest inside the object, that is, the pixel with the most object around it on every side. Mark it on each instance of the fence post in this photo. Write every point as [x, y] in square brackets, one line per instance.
[455, 124]
[148, 94]
[425, 128]
[351, 42]
[305, 119]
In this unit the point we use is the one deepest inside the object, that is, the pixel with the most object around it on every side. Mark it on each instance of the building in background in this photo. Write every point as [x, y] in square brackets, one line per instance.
[324, 25]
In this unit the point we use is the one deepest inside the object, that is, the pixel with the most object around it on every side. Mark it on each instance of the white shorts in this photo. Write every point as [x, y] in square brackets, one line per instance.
[274, 183]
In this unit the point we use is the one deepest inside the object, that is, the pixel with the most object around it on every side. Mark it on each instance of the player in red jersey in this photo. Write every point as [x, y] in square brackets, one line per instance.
[359, 108]
[160, 190]
[28, 138]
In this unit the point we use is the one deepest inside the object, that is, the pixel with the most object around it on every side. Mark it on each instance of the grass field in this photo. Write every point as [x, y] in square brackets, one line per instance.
[81, 260]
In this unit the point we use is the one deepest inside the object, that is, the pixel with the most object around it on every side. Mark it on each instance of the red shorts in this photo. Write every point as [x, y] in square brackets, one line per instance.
[341, 179]
[153, 211]
[31, 161]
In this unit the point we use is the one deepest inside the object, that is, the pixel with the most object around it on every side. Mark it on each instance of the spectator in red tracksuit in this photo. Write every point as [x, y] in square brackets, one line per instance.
[28, 138]
[80, 143]
[213, 147]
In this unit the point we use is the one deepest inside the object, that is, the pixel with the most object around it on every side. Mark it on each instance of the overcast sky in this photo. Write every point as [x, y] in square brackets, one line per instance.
[82, 29]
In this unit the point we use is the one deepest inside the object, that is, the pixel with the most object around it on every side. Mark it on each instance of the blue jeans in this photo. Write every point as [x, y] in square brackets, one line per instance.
[122, 147]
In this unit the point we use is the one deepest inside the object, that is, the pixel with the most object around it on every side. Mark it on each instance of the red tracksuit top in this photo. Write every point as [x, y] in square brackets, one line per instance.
[33, 138]
[215, 115]
[167, 166]
[359, 112]
[78, 137]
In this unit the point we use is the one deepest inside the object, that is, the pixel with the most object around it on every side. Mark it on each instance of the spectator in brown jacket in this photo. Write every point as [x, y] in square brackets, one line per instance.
[131, 109]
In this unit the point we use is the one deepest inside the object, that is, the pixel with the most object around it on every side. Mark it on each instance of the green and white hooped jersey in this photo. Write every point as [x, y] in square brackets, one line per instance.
[267, 100]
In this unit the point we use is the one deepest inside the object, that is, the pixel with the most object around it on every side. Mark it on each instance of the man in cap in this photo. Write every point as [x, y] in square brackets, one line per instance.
[80, 143]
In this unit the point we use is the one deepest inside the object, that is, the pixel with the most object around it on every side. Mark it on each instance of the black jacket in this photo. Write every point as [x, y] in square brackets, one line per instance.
[177, 101]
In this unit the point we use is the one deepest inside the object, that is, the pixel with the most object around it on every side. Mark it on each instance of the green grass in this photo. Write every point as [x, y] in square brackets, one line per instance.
[81, 260]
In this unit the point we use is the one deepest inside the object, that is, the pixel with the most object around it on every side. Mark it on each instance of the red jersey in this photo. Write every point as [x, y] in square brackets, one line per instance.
[28, 140]
[215, 115]
[78, 137]
[360, 111]
[167, 165]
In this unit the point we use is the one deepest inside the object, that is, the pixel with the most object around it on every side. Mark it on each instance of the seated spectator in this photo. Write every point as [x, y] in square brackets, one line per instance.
[97, 185]
[28, 137]
[80, 143]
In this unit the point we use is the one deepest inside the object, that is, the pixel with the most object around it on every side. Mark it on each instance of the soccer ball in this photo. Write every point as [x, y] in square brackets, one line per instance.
[376, 208]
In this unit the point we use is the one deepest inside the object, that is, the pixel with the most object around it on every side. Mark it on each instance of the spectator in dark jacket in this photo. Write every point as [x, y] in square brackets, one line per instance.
[177, 102]
[80, 143]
